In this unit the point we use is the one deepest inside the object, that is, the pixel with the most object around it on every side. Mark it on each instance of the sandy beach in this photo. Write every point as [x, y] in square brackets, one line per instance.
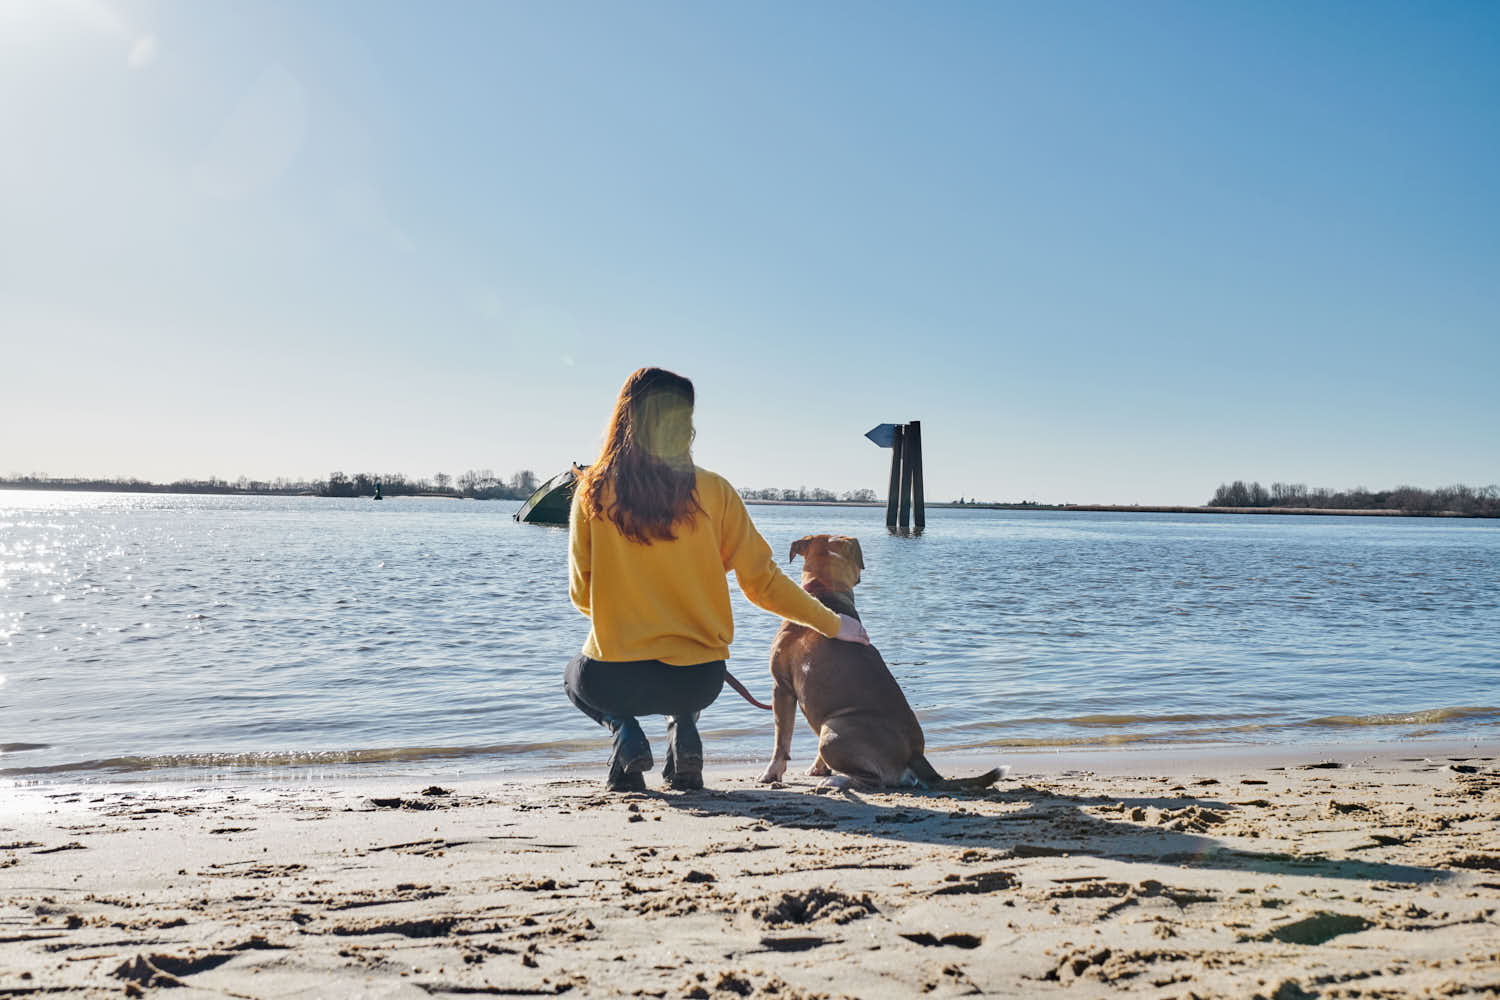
[1320, 873]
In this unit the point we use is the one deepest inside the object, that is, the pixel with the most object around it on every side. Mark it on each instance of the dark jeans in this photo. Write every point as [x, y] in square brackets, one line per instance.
[602, 689]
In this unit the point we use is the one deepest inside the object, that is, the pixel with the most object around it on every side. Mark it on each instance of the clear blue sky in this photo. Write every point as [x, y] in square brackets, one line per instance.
[1106, 252]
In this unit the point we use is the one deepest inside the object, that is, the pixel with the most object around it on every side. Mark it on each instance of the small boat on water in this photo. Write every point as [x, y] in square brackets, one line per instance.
[552, 500]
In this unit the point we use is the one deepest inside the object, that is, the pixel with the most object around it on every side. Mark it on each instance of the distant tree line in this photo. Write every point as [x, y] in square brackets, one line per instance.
[478, 484]
[212, 484]
[816, 493]
[1481, 502]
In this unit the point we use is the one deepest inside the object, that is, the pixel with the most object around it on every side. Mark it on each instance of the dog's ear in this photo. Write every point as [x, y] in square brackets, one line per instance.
[859, 555]
[799, 548]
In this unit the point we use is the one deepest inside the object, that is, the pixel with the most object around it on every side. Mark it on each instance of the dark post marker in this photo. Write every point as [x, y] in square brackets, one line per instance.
[907, 468]
[891, 495]
[914, 433]
[905, 442]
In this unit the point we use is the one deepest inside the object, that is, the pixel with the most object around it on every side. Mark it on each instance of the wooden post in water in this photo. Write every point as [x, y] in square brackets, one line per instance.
[907, 470]
[895, 487]
[905, 442]
[914, 458]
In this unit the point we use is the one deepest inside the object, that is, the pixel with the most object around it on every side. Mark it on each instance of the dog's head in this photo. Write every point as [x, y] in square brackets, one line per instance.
[832, 560]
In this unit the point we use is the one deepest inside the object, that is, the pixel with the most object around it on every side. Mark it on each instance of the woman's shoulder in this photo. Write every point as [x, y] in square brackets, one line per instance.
[715, 493]
[711, 482]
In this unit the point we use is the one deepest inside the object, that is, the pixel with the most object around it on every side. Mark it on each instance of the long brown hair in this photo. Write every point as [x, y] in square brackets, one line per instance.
[643, 479]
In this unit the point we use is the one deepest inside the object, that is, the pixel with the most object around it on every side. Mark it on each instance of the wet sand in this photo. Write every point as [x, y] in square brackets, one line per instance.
[1338, 874]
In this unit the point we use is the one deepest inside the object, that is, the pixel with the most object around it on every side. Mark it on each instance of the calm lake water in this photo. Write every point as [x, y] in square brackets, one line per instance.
[149, 634]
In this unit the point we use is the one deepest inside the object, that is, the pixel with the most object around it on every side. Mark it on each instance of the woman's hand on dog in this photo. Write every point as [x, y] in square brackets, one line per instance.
[851, 630]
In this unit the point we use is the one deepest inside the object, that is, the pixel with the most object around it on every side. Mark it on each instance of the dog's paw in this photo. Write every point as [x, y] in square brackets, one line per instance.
[836, 783]
[819, 769]
[773, 773]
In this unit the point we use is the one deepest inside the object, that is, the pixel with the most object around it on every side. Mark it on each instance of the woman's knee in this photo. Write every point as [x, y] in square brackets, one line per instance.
[702, 688]
[575, 684]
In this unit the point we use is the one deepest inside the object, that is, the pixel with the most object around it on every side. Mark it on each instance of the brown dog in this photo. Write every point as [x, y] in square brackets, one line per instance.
[866, 730]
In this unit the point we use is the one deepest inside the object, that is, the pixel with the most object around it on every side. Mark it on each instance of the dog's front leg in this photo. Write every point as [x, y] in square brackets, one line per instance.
[820, 768]
[784, 706]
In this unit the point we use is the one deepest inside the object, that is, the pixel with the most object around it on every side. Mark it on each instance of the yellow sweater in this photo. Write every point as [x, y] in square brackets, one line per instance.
[669, 600]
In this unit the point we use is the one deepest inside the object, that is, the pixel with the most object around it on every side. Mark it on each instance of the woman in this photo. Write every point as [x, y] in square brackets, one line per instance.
[651, 538]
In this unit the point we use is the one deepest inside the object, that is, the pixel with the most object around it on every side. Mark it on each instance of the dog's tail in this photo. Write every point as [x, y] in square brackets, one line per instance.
[734, 683]
[928, 777]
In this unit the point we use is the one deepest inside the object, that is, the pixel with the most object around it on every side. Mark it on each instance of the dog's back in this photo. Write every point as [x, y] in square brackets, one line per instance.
[833, 678]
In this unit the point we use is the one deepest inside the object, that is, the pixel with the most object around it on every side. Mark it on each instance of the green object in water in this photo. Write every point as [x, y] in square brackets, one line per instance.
[552, 500]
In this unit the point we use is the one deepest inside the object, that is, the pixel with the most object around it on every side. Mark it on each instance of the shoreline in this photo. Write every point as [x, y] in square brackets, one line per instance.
[1300, 876]
[1137, 509]
[326, 767]
[730, 775]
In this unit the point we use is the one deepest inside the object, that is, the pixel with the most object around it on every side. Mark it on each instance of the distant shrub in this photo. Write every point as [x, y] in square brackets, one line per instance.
[1460, 499]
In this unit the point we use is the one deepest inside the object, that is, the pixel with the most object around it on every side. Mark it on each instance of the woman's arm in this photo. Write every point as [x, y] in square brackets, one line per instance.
[580, 557]
[746, 552]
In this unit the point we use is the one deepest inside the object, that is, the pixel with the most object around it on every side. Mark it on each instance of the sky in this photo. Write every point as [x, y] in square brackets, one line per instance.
[1104, 252]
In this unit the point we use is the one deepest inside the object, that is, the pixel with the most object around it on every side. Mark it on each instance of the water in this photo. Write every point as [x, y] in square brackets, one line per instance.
[145, 633]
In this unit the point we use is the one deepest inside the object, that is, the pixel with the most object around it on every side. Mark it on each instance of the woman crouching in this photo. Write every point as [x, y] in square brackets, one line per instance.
[651, 539]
